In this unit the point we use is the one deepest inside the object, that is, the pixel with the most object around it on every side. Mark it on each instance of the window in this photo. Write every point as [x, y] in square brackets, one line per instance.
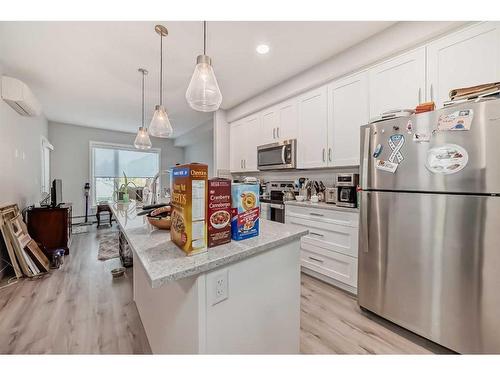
[109, 163]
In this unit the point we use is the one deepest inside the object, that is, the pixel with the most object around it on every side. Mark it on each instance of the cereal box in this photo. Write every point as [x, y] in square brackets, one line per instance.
[189, 198]
[246, 211]
[219, 211]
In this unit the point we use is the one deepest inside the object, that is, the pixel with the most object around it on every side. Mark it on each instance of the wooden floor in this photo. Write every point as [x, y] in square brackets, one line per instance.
[80, 309]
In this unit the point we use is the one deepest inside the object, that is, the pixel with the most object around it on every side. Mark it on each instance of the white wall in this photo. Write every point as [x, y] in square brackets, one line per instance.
[20, 155]
[201, 151]
[393, 40]
[70, 160]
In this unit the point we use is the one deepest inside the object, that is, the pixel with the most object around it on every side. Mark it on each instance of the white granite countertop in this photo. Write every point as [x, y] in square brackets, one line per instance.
[164, 261]
[322, 205]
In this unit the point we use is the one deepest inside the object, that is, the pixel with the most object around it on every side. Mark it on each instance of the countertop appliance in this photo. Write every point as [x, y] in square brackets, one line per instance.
[429, 224]
[275, 201]
[331, 195]
[347, 184]
[278, 155]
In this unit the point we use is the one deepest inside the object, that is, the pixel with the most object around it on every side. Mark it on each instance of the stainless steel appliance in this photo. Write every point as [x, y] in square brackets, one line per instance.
[429, 257]
[346, 184]
[331, 195]
[275, 202]
[279, 155]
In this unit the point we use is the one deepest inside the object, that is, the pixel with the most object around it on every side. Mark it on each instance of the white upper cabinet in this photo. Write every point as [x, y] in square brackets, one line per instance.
[398, 83]
[236, 153]
[288, 120]
[270, 125]
[312, 142]
[467, 58]
[252, 139]
[244, 138]
[348, 108]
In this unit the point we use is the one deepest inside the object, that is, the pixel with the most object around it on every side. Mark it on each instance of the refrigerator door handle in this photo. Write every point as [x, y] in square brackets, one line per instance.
[365, 155]
[365, 236]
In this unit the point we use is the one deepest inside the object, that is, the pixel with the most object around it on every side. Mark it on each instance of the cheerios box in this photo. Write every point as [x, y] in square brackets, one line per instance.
[189, 197]
[246, 211]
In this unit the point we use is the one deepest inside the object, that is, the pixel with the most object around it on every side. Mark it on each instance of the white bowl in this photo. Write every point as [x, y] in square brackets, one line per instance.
[300, 198]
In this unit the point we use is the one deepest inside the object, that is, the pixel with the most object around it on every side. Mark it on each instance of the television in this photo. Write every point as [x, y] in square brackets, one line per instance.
[56, 193]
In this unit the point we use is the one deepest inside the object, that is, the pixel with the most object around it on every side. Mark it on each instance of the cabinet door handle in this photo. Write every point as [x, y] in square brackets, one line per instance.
[324, 159]
[244, 163]
[316, 234]
[419, 95]
[315, 214]
[277, 132]
[241, 163]
[432, 92]
[316, 259]
[329, 154]
[274, 133]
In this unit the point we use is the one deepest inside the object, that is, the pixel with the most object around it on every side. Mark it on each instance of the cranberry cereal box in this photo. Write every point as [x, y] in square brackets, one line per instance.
[219, 211]
[189, 199]
[246, 211]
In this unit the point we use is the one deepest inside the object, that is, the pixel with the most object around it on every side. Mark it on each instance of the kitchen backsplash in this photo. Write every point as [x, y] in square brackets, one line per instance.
[326, 175]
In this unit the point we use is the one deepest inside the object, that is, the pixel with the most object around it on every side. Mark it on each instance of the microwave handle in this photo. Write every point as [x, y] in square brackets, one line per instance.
[283, 150]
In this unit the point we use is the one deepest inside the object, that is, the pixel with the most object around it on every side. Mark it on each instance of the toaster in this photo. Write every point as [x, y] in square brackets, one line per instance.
[331, 195]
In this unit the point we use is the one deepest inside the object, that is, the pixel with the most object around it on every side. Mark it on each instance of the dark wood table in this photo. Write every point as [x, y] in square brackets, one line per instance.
[103, 207]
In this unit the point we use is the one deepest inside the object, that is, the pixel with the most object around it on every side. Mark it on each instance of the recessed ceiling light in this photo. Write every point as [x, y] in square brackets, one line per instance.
[262, 49]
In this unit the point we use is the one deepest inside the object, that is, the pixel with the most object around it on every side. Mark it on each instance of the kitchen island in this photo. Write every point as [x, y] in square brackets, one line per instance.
[242, 297]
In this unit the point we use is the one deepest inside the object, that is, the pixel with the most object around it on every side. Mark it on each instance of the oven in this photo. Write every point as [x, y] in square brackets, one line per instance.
[279, 155]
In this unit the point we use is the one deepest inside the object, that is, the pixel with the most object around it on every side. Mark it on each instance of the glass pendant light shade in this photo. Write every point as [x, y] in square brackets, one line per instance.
[142, 140]
[160, 124]
[203, 93]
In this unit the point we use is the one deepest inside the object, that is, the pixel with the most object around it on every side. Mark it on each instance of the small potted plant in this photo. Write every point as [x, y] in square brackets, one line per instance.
[122, 192]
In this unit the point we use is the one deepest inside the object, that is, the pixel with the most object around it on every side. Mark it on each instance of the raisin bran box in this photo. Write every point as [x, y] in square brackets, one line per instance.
[219, 211]
[189, 199]
[246, 211]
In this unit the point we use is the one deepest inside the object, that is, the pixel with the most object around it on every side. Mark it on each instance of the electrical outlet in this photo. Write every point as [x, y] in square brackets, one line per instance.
[220, 285]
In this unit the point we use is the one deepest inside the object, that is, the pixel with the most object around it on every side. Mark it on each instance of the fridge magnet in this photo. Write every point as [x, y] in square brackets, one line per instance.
[396, 142]
[458, 120]
[386, 166]
[409, 127]
[378, 151]
[421, 137]
[446, 159]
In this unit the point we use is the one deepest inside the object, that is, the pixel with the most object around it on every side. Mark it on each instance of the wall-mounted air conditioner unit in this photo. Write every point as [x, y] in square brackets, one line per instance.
[16, 94]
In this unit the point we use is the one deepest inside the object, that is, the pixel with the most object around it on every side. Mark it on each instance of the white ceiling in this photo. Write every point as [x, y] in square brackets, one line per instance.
[85, 73]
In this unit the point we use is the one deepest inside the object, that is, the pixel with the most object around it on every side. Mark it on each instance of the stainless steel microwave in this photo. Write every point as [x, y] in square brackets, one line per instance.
[279, 155]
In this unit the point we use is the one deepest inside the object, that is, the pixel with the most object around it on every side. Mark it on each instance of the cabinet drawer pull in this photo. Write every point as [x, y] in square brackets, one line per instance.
[316, 234]
[316, 259]
[315, 214]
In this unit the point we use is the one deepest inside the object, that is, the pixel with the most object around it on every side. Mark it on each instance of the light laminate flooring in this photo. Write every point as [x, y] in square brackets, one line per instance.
[80, 309]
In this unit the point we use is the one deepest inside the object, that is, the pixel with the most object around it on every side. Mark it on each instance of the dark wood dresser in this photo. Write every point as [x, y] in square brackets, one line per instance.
[51, 226]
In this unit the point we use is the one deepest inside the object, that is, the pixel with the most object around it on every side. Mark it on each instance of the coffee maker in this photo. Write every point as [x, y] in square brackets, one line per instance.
[346, 184]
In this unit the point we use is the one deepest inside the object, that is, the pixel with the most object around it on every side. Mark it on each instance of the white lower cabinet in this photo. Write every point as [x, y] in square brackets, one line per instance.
[330, 250]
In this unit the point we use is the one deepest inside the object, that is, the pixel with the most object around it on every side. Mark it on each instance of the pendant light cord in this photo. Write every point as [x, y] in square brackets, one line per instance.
[204, 37]
[161, 69]
[143, 76]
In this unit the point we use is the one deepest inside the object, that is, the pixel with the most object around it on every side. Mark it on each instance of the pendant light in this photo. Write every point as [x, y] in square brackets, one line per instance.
[160, 124]
[203, 93]
[142, 140]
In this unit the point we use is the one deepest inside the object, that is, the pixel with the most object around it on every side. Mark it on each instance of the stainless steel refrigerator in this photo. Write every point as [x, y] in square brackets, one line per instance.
[429, 248]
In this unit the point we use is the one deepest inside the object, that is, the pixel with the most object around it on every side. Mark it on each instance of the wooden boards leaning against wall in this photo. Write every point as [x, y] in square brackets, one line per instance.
[25, 256]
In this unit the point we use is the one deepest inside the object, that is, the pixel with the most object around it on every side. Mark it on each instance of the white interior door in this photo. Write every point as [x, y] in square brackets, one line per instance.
[349, 109]
[46, 147]
[468, 58]
[398, 83]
